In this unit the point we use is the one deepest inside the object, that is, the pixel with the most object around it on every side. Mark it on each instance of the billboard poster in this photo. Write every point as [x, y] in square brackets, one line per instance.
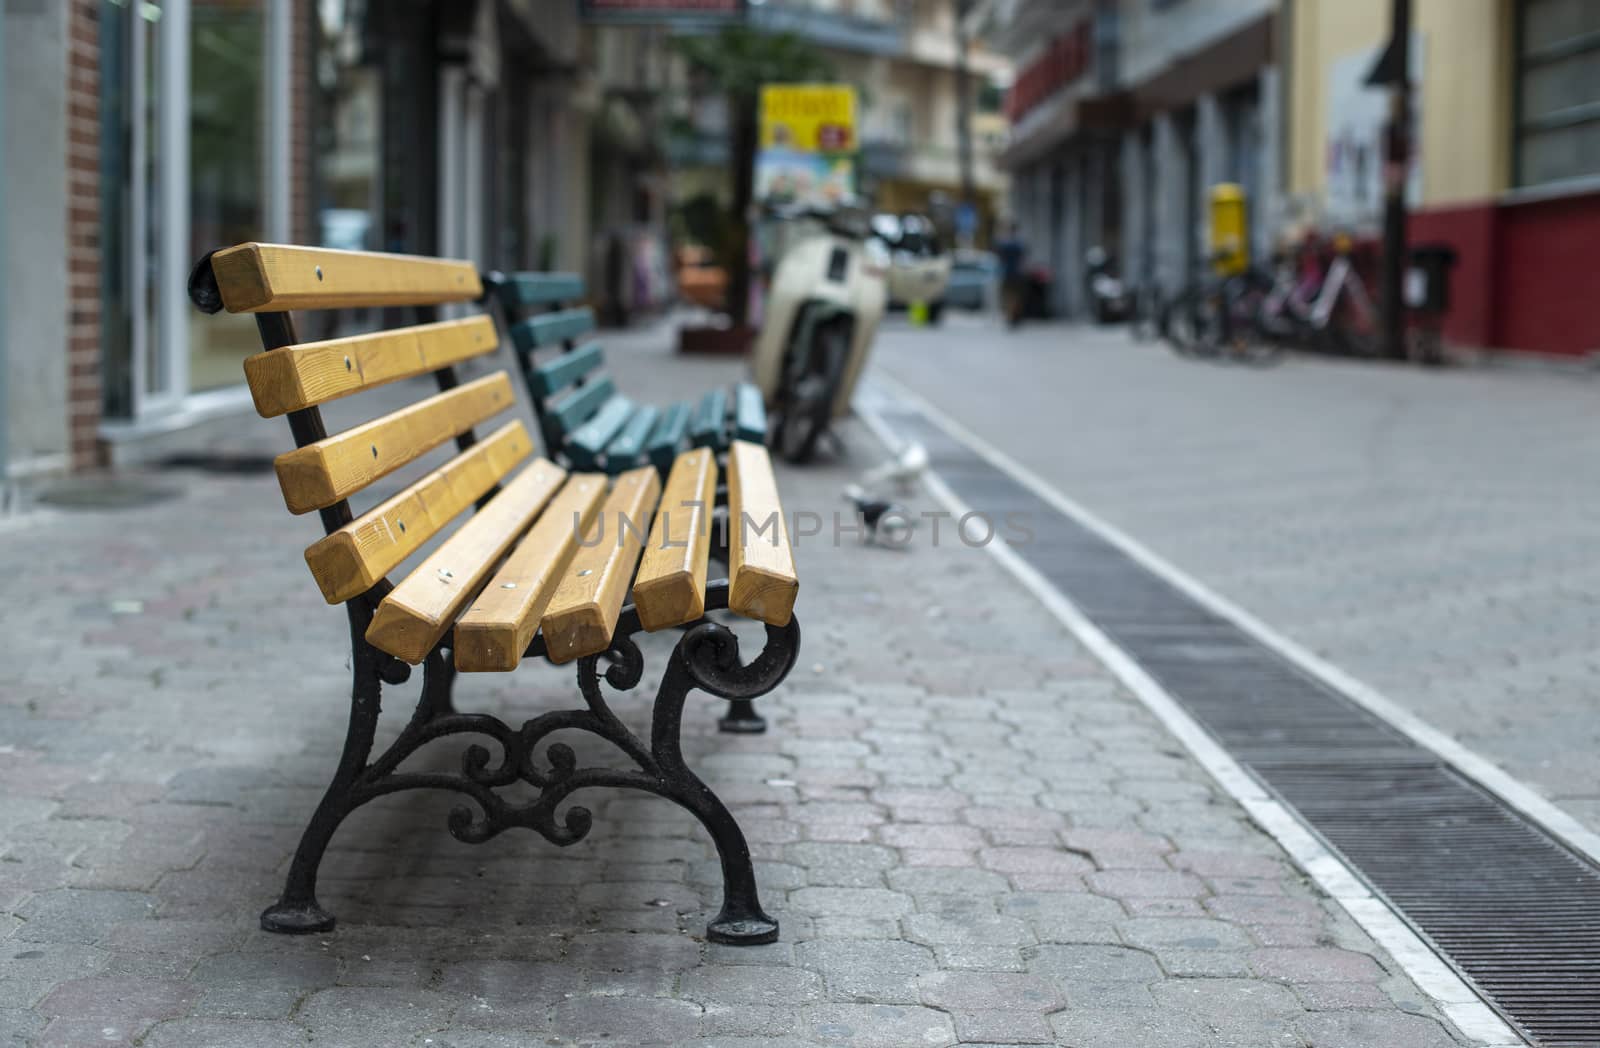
[808, 144]
[1355, 118]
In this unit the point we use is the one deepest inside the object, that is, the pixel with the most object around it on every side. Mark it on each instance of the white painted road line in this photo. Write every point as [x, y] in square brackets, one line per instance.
[1433, 976]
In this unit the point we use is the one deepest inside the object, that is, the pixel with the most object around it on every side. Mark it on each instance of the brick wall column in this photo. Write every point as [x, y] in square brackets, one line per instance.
[83, 356]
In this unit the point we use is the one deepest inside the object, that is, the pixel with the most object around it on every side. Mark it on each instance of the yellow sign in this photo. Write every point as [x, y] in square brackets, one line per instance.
[809, 118]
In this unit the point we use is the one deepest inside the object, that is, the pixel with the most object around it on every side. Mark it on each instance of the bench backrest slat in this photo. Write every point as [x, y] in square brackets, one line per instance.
[560, 372]
[296, 377]
[579, 406]
[520, 290]
[332, 469]
[351, 560]
[550, 328]
[258, 277]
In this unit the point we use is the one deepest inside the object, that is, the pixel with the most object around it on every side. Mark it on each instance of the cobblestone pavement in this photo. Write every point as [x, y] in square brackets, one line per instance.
[1429, 531]
[970, 833]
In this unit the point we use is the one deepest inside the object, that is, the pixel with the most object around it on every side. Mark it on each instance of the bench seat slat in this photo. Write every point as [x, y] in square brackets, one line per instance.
[749, 414]
[519, 290]
[586, 443]
[577, 407]
[668, 435]
[762, 583]
[336, 467]
[670, 588]
[296, 377]
[256, 277]
[350, 561]
[418, 611]
[627, 447]
[550, 328]
[582, 616]
[709, 425]
[557, 374]
[494, 632]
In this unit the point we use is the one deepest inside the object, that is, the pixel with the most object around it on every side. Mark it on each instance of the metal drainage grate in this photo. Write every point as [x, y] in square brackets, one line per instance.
[1511, 908]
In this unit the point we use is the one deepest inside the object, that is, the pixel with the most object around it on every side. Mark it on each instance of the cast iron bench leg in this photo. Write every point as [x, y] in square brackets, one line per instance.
[706, 657]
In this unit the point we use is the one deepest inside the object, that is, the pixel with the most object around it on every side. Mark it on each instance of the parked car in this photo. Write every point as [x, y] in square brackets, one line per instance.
[919, 268]
[974, 276]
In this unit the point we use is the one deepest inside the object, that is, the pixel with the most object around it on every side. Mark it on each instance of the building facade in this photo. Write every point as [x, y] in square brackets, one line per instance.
[139, 134]
[1506, 165]
[1123, 113]
[904, 57]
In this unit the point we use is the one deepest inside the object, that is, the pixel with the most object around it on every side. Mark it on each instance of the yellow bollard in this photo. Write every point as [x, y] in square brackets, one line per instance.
[917, 313]
[1230, 242]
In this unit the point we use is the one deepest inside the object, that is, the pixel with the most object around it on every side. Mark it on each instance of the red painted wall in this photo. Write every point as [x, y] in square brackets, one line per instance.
[1548, 275]
[1527, 275]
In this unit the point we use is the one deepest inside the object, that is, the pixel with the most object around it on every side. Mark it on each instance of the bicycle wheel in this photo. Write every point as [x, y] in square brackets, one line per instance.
[1145, 324]
[1194, 322]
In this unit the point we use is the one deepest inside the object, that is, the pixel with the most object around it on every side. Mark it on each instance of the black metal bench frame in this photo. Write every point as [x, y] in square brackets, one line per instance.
[706, 656]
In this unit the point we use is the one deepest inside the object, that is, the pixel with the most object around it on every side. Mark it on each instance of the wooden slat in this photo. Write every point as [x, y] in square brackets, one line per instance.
[537, 289]
[321, 474]
[762, 583]
[670, 588]
[256, 277]
[550, 328]
[494, 632]
[562, 371]
[749, 414]
[627, 447]
[351, 560]
[666, 438]
[586, 443]
[417, 612]
[582, 616]
[708, 428]
[577, 407]
[296, 377]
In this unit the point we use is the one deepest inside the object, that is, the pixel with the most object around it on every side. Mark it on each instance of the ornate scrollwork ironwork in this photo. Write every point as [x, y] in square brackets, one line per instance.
[706, 656]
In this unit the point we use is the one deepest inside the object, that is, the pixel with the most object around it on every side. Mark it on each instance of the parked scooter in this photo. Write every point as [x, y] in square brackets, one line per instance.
[1108, 296]
[824, 303]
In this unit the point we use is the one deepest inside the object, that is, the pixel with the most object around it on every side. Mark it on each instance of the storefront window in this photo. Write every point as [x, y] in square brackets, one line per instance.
[1558, 91]
[227, 47]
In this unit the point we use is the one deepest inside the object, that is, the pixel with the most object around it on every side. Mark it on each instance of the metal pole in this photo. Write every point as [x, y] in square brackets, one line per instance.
[1397, 163]
[172, 134]
[276, 141]
[5, 332]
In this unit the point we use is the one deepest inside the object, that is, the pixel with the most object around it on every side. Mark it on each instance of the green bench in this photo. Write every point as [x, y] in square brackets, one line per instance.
[585, 421]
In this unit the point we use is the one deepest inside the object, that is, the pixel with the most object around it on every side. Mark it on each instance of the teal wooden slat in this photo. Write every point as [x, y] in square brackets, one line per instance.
[749, 414]
[667, 437]
[709, 426]
[577, 407]
[549, 328]
[627, 446]
[538, 289]
[585, 443]
[560, 372]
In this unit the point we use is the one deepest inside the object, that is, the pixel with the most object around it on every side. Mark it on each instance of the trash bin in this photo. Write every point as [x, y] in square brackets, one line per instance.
[1427, 287]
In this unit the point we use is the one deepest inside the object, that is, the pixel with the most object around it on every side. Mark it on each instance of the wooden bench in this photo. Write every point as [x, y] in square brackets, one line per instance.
[542, 569]
[587, 422]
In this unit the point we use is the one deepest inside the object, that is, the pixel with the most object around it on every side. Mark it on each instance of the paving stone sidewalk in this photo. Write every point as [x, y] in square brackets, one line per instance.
[970, 833]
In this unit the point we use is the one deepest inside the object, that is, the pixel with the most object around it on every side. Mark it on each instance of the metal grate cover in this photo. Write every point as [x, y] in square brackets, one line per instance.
[1511, 908]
